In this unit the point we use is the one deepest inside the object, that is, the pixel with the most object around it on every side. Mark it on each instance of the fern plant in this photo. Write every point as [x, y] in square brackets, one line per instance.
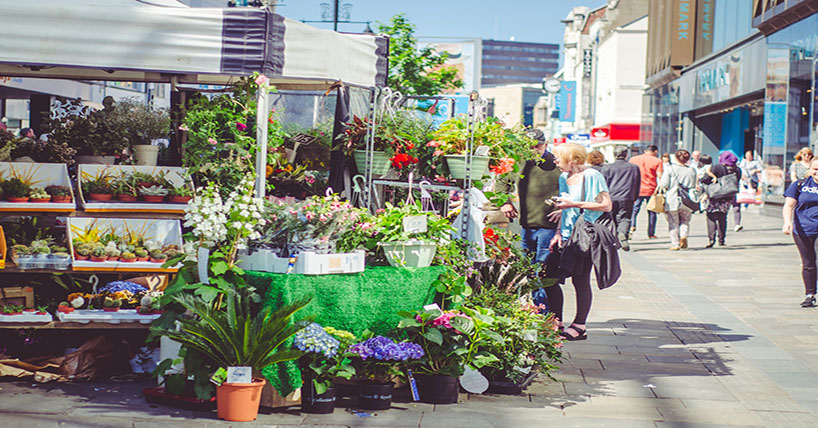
[239, 335]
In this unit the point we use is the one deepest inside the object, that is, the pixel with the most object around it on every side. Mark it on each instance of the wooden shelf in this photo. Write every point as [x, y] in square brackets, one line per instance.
[57, 325]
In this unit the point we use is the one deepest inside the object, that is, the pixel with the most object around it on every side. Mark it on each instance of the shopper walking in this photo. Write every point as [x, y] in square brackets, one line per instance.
[678, 177]
[717, 208]
[537, 182]
[650, 169]
[623, 179]
[798, 169]
[801, 220]
[585, 193]
[596, 160]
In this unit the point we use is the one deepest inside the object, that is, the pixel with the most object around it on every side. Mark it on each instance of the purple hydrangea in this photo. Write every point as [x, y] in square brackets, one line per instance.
[384, 349]
[314, 339]
[116, 286]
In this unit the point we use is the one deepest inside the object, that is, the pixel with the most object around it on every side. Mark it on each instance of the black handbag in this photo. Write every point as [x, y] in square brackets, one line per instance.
[723, 187]
[684, 195]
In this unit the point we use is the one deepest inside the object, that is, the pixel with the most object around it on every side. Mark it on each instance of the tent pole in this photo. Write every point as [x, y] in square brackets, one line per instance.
[262, 110]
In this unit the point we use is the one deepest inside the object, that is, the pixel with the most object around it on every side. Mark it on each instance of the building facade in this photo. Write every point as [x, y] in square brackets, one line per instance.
[506, 62]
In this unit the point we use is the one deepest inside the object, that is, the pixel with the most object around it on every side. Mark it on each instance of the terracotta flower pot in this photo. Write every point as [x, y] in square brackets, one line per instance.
[180, 199]
[29, 310]
[10, 199]
[61, 199]
[238, 402]
[126, 198]
[99, 259]
[40, 313]
[39, 200]
[65, 309]
[142, 259]
[126, 260]
[110, 309]
[151, 198]
[153, 260]
[101, 196]
[80, 257]
[113, 258]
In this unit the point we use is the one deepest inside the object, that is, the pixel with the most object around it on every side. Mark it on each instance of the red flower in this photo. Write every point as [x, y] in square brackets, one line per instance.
[503, 166]
[401, 160]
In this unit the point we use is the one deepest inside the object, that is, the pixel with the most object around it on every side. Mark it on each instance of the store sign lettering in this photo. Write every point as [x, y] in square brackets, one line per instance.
[684, 21]
[714, 78]
[707, 19]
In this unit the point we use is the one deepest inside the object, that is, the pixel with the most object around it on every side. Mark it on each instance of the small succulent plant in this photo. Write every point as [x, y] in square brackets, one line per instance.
[153, 191]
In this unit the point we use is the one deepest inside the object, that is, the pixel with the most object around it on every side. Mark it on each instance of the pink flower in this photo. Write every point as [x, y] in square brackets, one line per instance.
[182, 127]
[212, 140]
[433, 144]
[262, 80]
[240, 126]
[322, 217]
[446, 317]
[437, 153]
[309, 215]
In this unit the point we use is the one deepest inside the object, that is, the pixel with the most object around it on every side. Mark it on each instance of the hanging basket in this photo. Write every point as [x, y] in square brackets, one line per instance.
[380, 162]
[412, 253]
[457, 166]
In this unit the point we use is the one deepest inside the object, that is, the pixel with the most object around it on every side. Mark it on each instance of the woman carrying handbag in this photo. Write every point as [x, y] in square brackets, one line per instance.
[719, 204]
[584, 193]
[678, 179]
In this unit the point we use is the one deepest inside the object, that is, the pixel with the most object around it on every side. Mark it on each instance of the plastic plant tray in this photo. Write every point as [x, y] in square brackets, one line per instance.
[85, 316]
[26, 317]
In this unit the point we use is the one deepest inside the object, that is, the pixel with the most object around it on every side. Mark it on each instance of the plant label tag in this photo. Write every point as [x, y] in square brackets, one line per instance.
[473, 381]
[482, 151]
[413, 385]
[432, 307]
[175, 179]
[219, 376]
[204, 259]
[414, 224]
[240, 374]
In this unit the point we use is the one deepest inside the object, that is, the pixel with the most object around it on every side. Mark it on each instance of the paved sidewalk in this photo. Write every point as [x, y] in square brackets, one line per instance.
[695, 338]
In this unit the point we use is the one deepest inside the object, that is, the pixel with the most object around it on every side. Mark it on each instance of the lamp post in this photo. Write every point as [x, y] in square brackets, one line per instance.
[338, 13]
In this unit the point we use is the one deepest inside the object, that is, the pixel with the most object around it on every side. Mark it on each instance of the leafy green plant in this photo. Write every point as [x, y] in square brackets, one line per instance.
[15, 188]
[239, 335]
[324, 359]
[100, 184]
[55, 190]
[84, 130]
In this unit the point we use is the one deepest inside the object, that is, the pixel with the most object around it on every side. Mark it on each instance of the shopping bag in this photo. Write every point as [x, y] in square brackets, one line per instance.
[656, 203]
[689, 197]
[724, 186]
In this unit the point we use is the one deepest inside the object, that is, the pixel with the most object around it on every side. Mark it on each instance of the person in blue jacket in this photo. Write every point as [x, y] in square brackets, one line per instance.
[801, 221]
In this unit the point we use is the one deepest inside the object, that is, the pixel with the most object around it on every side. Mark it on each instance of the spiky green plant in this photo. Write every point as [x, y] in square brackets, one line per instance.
[237, 336]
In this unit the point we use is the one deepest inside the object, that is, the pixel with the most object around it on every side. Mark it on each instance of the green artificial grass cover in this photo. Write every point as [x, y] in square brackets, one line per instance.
[351, 302]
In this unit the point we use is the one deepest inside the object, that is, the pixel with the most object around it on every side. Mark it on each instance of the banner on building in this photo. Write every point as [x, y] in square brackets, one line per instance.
[567, 100]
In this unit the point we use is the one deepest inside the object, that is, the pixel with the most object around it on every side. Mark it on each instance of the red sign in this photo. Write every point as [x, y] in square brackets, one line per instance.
[616, 132]
[559, 140]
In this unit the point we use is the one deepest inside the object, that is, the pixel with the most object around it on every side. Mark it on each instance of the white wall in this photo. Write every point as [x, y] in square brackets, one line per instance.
[620, 77]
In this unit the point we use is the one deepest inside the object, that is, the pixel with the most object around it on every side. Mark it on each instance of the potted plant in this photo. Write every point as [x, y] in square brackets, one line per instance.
[98, 188]
[155, 193]
[111, 305]
[319, 366]
[393, 142]
[112, 253]
[15, 190]
[98, 254]
[42, 310]
[377, 361]
[90, 133]
[141, 124]
[39, 195]
[141, 255]
[242, 335]
[450, 341]
[158, 257]
[82, 251]
[65, 308]
[12, 310]
[125, 188]
[29, 311]
[127, 257]
[59, 194]
[181, 195]
[410, 247]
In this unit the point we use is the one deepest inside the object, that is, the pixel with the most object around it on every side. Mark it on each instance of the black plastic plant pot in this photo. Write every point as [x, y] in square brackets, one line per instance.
[317, 403]
[437, 389]
[375, 396]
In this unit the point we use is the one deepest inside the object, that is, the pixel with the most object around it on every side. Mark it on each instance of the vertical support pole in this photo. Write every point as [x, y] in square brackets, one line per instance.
[370, 148]
[262, 110]
[474, 98]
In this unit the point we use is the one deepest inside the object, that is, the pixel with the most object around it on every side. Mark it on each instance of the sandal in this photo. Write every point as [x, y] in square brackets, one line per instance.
[580, 334]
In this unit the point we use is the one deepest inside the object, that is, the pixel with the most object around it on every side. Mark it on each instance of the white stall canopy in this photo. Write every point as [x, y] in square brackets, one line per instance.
[156, 41]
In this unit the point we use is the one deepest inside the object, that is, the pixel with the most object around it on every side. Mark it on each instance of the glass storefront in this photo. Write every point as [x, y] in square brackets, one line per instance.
[661, 125]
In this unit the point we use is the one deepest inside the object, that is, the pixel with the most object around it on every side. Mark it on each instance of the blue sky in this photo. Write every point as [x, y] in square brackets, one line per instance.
[525, 20]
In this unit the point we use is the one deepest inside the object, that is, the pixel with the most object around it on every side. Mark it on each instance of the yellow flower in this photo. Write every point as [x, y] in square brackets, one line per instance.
[269, 170]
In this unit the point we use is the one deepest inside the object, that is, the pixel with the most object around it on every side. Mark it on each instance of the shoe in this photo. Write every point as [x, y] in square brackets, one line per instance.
[683, 243]
[623, 240]
[722, 243]
[710, 245]
[674, 248]
[653, 237]
[580, 334]
[809, 302]
[738, 228]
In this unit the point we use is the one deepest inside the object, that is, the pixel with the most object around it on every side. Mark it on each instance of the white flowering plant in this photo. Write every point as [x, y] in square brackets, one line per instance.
[222, 225]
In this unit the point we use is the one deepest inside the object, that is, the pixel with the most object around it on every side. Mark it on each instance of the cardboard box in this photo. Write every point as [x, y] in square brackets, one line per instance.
[271, 398]
[40, 175]
[307, 263]
[17, 296]
[93, 170]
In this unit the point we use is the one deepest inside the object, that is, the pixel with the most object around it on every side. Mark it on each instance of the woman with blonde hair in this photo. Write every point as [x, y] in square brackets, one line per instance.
[798, 169]
[678, 177]
[583, 192]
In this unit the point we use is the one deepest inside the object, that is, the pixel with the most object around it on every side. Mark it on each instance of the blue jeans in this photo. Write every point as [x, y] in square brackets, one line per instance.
[536, 242]
[637, 205]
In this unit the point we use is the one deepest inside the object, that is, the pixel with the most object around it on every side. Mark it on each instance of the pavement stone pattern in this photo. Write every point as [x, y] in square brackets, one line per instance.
[693, 338]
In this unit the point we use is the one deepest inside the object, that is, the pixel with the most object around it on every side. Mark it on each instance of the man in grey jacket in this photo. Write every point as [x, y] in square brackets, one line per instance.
[623, 180]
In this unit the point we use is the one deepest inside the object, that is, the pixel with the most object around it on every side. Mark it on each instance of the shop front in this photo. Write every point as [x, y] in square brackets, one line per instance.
[605, 138]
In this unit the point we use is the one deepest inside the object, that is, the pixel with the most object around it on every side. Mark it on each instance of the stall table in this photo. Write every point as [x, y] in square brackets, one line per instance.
[352, 302]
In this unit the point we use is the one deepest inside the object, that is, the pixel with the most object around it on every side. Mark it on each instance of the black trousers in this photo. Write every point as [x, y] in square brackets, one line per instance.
[621, 214]
[582, 288]
[717, 220]
[807, 249]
